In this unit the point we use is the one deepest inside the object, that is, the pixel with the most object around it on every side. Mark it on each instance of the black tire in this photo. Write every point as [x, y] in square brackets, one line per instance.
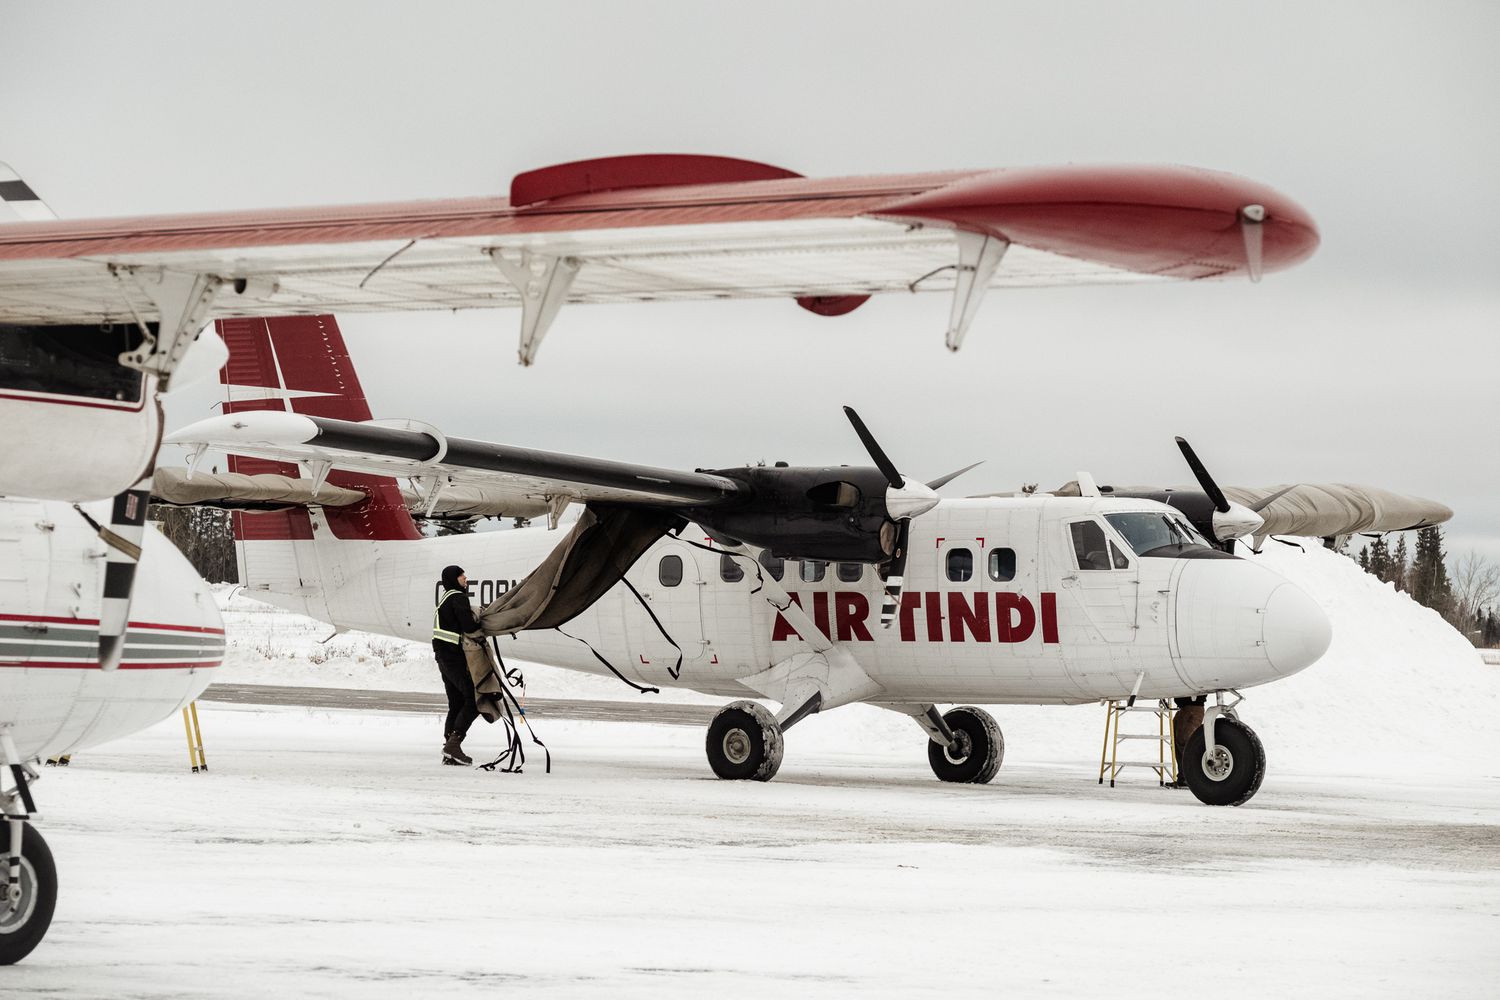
[1237, 771]
[22, 931]
[981, 752]
[744, 741]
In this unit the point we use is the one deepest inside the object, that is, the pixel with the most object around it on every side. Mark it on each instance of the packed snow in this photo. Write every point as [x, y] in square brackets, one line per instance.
[327, 854]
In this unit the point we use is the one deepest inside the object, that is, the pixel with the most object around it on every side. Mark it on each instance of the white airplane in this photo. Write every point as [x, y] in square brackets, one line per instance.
[672, 578]
[90, 650]
[100, 317]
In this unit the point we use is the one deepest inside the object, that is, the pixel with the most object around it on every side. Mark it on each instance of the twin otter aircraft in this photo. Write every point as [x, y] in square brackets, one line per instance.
[810, 587]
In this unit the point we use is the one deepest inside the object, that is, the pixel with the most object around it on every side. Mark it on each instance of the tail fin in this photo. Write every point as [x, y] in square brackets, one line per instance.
[299, 364]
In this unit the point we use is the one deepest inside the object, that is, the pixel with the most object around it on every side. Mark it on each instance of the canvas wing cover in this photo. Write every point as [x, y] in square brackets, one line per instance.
[1325, 510]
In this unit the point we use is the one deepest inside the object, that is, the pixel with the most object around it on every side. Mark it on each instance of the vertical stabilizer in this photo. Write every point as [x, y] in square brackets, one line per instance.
[299, 364]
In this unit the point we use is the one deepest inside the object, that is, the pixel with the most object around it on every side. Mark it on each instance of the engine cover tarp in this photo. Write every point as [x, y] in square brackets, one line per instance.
[593, 557]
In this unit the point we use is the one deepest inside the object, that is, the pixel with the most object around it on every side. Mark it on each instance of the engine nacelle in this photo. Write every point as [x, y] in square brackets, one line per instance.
[835, 513]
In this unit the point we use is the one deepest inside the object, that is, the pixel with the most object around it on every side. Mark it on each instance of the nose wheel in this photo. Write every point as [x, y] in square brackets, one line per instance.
[744, 741]
[1229, 772]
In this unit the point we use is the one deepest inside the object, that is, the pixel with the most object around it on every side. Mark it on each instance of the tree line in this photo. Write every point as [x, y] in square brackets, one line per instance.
[1466, 597]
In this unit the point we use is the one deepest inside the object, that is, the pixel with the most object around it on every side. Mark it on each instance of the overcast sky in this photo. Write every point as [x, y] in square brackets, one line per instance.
[1375, 362]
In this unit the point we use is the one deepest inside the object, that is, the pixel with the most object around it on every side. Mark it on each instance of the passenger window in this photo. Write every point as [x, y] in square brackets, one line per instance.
[1089, 545]
[813, 570]
[851, 572]
[960, 565]
[670, 571]
[1118, 557]
[1002, 565]
[730, 570]
[773, 564]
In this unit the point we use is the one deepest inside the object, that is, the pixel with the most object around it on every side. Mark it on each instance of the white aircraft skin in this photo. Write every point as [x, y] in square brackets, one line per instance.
[54, 698]
[1055, 634]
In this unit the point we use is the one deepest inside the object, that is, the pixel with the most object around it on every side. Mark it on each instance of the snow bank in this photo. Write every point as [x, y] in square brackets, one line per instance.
[1399, 689]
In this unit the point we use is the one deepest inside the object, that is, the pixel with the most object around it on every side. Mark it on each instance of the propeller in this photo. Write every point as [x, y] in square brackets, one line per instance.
[122, 538]
[904, 500]
[1231, 520]
[942, 481]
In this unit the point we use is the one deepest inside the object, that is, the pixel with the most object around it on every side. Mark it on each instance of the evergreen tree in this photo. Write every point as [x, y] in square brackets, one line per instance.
[1364, 558]
[1380, 560]
[1400, 565]
[1428, 578]
[205, 535]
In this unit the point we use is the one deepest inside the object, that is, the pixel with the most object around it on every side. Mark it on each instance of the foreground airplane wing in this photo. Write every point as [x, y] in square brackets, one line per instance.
[404, 449]
[642, 228]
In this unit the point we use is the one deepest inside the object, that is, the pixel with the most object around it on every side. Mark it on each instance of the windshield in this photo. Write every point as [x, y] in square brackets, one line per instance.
[1148, 531]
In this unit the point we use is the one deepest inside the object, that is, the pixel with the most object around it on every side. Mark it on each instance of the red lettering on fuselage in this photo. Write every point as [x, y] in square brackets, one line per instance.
[910, 601]
[850, 612]
[1049, 617]
[1014, 618]
[934, 618]
[962, 616]
[783, 630]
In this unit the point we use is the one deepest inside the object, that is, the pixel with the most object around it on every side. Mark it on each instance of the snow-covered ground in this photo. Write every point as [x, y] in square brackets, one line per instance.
[326, 854]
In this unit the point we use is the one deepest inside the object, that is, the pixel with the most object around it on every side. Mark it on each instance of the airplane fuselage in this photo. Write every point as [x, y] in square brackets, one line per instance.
[54, 698]
[996, 607]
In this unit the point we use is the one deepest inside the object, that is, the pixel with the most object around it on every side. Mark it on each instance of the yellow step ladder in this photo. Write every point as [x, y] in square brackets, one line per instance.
[194, 738]
[1165, 764]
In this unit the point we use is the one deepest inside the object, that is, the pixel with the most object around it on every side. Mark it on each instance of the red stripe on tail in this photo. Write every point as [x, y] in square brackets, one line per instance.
[300, 364]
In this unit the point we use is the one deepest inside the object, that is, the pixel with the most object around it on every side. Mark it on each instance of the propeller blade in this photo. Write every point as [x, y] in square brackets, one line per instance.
[1261, 505]
[939, 483]
[1216, 495]
[885, 465]
[122, 538]
[895, 577]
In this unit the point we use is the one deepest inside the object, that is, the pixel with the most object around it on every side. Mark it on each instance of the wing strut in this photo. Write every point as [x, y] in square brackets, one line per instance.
[978, 256]
[543, 284]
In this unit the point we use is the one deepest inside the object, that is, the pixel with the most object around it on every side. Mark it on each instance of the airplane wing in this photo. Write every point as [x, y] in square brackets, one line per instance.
[643, 228]
[407, 449]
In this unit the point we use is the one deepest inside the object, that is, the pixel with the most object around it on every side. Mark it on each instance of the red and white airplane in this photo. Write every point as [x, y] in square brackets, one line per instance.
[811, 587]
[99, 318]
[87, 654]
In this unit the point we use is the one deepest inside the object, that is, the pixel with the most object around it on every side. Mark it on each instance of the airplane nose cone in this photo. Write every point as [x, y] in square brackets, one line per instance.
[1297, 632]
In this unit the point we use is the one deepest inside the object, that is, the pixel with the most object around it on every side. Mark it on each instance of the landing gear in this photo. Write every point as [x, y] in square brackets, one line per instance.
[1229, 772]
[977, 747]
[744, 741]
[26, 908]
[28, 878]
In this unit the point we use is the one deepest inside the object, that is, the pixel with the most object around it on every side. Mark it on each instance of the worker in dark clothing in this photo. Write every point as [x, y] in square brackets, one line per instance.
[451, 621]
[1186, 721]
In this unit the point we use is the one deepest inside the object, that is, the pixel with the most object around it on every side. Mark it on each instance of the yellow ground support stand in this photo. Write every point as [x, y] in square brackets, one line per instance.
[194, 738]
[1165, 764]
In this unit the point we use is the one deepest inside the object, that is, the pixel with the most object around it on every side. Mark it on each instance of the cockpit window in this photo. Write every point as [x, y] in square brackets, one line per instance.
[1157, 533]
[1089, 545]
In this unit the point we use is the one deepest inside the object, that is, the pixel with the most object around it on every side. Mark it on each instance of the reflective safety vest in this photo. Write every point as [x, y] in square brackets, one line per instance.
[439, 633]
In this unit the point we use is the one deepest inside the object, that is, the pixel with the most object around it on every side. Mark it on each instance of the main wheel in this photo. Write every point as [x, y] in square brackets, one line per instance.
[1228, 773]
[744, 741]
[980, 747]
[22, 929]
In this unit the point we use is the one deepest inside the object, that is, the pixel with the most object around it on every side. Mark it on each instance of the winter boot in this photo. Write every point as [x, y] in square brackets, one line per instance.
[453, 751]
